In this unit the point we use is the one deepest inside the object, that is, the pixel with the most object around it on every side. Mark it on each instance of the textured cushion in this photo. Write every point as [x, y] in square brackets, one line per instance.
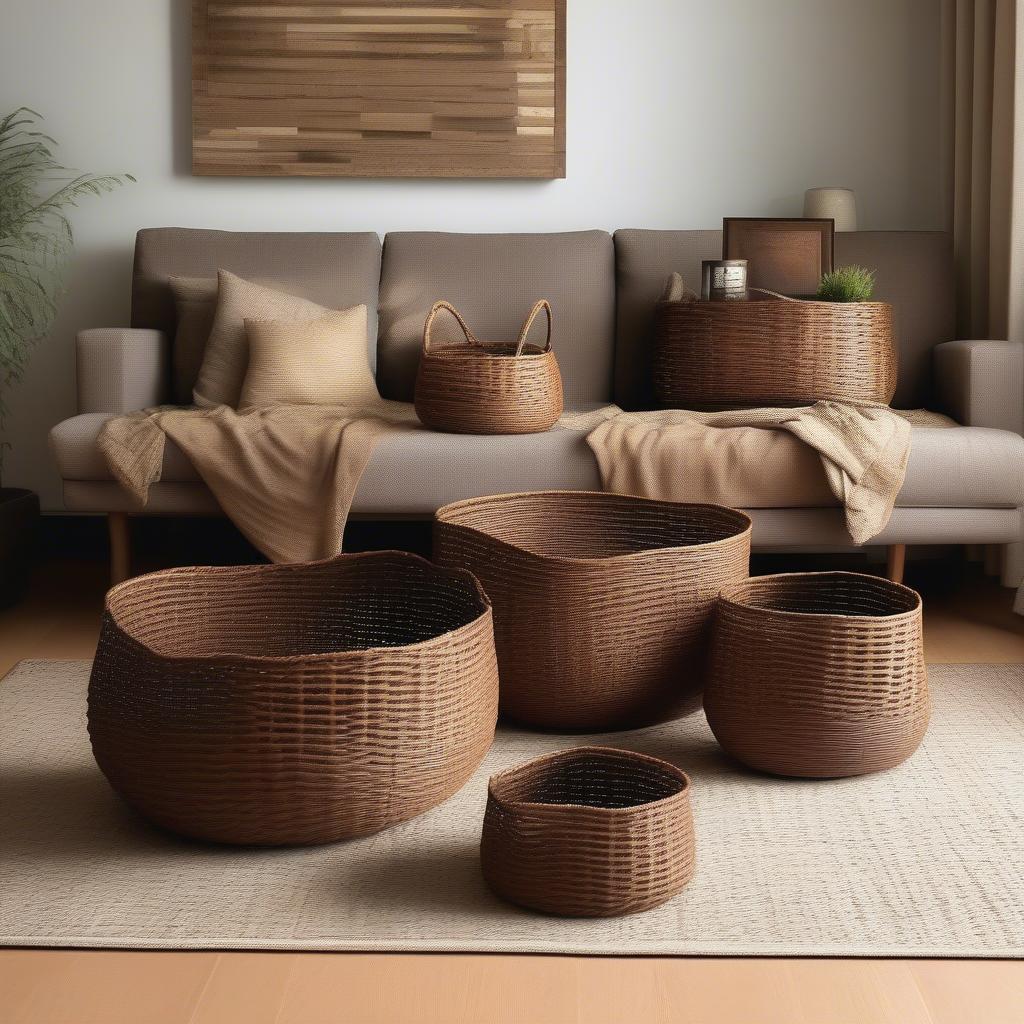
[914, 273]
[319, 362]
[417, 473]
[78, 457]
[227, 350]
[334, 269]
[494, 280]
[195, 303]
[956, 467]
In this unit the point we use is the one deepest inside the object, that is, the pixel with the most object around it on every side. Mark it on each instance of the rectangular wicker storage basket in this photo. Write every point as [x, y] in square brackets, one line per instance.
[727, 355]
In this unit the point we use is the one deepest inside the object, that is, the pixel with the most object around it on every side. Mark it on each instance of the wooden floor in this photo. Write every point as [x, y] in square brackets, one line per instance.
[968, 619]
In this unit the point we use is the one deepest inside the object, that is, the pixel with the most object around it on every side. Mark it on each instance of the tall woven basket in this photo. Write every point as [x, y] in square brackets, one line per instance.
[602, 602]
[819, 675]
[480, 387]
[724, 355]
[293, 704]
[589, 832]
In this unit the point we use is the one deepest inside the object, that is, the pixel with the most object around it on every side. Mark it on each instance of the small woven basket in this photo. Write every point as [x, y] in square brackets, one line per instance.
[293, 704]
[602, 602]
[483, 387]
[589, 832]
[819, 675]
[726, 355]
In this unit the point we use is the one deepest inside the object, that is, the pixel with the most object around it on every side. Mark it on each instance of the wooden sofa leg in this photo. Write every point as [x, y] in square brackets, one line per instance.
[896, 562]
[120, 547]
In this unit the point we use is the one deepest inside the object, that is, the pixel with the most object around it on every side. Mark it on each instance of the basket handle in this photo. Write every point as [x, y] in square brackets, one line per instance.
[432, 316]
[542, 304]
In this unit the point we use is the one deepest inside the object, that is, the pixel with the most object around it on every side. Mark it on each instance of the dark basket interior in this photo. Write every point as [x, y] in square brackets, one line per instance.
[586, 525]
[825, 593]
[487, 349]
[590, 778]
[354, 603]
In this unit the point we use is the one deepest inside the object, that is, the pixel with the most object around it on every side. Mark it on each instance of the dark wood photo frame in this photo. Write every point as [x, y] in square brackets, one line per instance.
[785, 254]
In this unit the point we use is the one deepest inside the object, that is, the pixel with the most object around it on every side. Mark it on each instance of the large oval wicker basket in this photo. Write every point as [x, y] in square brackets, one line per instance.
[484, 387]
[602, 602]
[293, 704]
[589, 832]
[722, 355]
[819, 675]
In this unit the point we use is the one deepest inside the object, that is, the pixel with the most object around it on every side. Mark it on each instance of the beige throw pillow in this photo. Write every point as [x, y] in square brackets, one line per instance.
[195, 303]
[315, 362]
[224, 363]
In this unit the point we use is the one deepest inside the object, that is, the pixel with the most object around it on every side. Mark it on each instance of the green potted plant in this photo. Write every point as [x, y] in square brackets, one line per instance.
[36, 193]
[847, 284]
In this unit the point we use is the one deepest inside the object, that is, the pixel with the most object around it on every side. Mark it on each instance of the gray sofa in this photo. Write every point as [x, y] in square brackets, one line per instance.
[963, 486]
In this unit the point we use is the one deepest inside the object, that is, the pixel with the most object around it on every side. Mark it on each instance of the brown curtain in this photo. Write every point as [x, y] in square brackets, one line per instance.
[985, 92]
[984, 86]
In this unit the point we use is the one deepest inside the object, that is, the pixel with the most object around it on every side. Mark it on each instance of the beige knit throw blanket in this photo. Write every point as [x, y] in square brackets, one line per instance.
[285, 475]
[824, 454]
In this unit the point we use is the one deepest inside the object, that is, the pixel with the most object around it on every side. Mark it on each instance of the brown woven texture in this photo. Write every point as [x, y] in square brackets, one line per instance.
[819, 675]
[293, 704]
[589, 832]
[480, 387]
[602, 602]
[721, 355]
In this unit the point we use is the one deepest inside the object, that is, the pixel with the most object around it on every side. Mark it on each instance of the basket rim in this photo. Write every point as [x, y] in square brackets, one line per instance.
[814, 303]
[726, 597]
[572, 753]
[286, 568]
[445, 510]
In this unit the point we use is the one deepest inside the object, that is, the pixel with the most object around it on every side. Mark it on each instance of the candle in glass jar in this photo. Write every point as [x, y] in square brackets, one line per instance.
[723, 280]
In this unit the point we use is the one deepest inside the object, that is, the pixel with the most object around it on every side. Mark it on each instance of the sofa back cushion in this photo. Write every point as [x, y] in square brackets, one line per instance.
[914, 272]
[336, 270]
[494, 280]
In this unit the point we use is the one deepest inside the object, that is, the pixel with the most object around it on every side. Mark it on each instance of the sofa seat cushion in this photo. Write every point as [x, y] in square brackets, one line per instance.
[75, 447]
[417, 473]
[414, 473]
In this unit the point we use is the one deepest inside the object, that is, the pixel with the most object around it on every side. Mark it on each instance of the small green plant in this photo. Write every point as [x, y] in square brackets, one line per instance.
[35, 239]
[847, 284]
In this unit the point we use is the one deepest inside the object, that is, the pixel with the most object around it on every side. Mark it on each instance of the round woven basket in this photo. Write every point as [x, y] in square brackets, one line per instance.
[293, 704]
[819, 675]
[722, 355]
[589, 832]
[602, 602]
[484, 387]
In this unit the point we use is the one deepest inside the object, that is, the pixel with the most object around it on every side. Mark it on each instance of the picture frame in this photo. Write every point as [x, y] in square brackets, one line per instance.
[460, 89]
[788, 255]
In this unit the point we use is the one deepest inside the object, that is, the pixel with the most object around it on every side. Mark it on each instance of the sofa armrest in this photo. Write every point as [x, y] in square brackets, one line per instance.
[981, 383]
[122, 369]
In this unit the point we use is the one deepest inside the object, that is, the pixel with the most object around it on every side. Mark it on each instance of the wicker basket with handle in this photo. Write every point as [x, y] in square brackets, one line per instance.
[589, 832]
[819, 675]
[293, 704]
[479, 387]
[602, 602]
[776, 352]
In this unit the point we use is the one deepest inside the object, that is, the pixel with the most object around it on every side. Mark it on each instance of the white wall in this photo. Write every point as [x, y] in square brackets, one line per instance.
[679, 112]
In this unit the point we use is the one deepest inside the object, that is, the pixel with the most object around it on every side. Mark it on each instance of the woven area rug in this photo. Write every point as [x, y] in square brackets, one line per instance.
[925, 860]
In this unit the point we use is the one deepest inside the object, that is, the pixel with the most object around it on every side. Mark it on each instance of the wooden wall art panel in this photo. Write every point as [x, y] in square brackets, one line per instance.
[379, 88]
